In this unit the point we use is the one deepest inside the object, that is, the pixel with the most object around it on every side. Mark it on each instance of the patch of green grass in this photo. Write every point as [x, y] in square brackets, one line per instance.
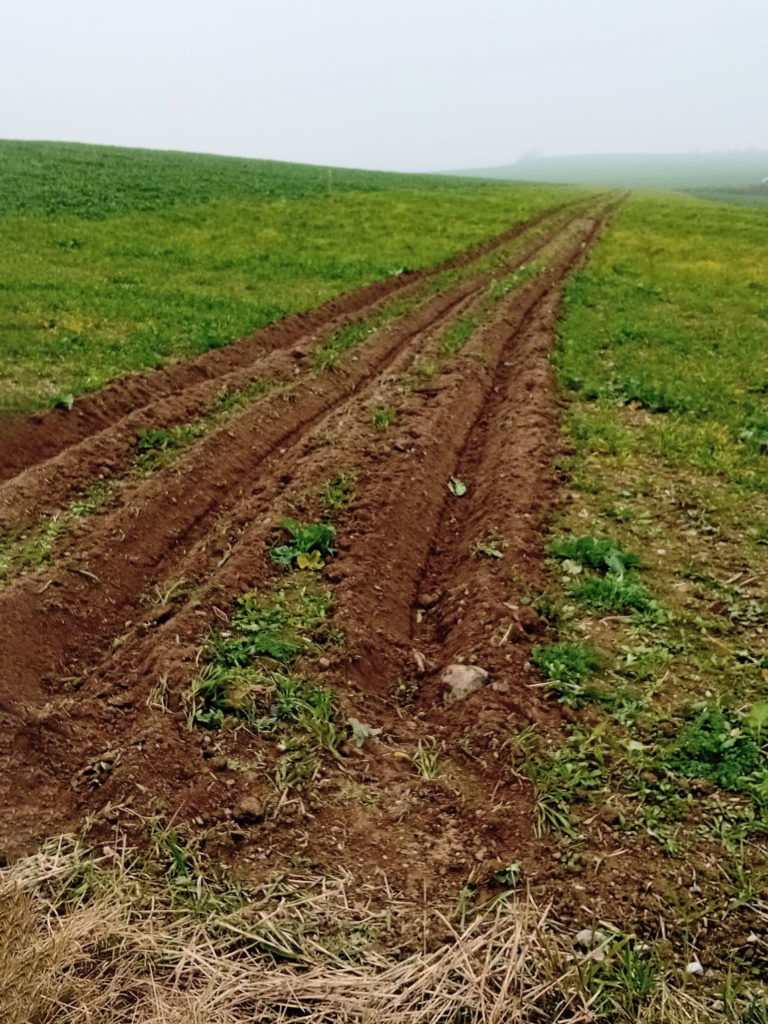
[336, 493]
[620, 595]
[717, 745]
[640, 317]
[499, 288]
[568, 666]
[158, 446]
[28, 550]
[383, 416]
[457, 334]
[228, 402]
[328, 355]
[276, 626]
[31, 549]
[594, 553]
[624, 980]
[575, 773]
[92, 499]
[251, 676]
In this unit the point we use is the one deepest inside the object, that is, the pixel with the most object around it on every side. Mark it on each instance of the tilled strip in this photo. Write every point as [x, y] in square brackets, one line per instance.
[408, 503]
[45, 486]
[144, 656]
[27, 441]
[84, 598]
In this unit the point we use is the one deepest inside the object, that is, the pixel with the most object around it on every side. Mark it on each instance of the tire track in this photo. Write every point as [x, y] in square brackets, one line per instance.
[45, 486]
[28, 440]
[413, 526]
[165, 527]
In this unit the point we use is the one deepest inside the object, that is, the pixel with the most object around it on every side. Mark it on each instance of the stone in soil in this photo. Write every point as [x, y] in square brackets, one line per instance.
[461, 680]
[248, 810]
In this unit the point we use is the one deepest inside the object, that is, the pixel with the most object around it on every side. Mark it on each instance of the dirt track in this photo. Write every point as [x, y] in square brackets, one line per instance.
[83, 648]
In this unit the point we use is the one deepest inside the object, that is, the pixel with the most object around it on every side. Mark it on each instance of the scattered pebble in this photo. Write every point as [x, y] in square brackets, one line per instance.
[461, 680]
[586, 938]
[694, 967]
[248, 810]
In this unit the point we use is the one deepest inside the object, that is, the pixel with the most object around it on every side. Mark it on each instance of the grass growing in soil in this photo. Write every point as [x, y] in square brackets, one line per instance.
[114, 260]
[657, 602]
[251, 676]
[32, 548]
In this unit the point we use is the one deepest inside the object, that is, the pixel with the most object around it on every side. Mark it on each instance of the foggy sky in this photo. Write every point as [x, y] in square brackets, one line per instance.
[392, 84]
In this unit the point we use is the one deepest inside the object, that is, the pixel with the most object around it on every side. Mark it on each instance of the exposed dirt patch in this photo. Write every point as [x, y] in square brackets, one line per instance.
[439, 550]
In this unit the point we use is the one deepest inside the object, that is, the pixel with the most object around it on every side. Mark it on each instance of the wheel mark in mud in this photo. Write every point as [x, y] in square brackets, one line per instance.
[413, 523]
[26, 441]
[455, 630]
[48, 484]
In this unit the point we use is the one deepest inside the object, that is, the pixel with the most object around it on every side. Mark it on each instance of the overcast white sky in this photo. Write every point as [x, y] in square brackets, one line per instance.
[400, 84]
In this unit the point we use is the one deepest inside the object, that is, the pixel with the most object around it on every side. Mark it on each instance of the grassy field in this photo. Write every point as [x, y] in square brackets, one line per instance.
[659, 567]
[114, 260]
[651, 633]
[756, 195]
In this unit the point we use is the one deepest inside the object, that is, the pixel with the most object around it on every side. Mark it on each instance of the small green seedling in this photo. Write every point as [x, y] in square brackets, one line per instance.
[509, 875]
[362, 732]
[457, 487]
[383, 416]
[426, 760]
[308, 547]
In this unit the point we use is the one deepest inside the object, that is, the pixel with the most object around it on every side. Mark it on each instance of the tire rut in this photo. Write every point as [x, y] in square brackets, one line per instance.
[46, 485]
[28, 440]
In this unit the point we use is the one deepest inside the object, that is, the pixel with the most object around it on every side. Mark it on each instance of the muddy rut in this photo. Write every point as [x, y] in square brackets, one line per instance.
[424, 576]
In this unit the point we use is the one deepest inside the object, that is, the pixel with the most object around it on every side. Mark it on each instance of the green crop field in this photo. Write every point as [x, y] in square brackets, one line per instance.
[659, 559]
[113, 260]
[550, 480]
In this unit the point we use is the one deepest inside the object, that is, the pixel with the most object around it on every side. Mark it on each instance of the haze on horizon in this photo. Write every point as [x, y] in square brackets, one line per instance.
[389, 84]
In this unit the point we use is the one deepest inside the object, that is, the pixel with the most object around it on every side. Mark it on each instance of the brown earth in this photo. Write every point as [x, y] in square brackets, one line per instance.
[418, 584]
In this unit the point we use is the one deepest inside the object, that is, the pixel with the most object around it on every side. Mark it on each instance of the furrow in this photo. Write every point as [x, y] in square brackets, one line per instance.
[27, 441]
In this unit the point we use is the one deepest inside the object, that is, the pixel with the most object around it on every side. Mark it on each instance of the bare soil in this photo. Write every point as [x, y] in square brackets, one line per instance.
[415, 589]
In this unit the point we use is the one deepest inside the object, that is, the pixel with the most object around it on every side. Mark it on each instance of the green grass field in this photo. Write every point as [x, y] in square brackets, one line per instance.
[113, 260]
[756, 195]
[659, 560]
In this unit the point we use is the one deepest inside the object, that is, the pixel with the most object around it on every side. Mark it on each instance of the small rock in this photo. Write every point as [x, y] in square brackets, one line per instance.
[694, 967]
[461, 680]
[248, 810]
[481, 854]
[529, 619]
[323, 663]
[586, 938]
[428, 600]
[120, 700]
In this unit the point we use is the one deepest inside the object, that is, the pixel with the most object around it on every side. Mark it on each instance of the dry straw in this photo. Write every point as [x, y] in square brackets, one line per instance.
[96, 940]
